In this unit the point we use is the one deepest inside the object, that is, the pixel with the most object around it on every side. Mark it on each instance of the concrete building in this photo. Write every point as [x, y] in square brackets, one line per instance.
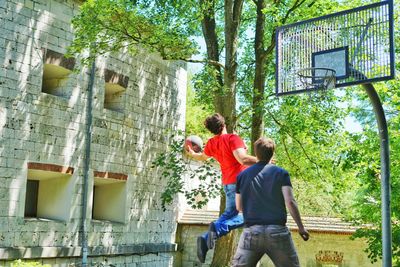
[76, 183]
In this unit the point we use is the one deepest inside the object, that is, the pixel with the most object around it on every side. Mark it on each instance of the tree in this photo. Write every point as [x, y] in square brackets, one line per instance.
[105, 26]
[216, 71]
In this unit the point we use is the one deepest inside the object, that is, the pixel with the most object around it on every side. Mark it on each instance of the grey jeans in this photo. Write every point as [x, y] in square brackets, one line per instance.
[273, 240]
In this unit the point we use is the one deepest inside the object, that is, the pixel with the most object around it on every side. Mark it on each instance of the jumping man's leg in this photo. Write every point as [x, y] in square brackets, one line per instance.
[228, 220]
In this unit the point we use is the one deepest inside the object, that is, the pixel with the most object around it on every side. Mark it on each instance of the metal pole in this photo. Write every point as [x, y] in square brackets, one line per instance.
[385, 175]
[87, 163]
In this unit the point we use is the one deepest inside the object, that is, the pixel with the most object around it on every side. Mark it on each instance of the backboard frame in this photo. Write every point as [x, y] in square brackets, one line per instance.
[346, 66]
[390, 53]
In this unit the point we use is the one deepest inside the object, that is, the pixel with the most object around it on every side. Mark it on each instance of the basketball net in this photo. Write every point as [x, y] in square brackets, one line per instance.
[316, 81]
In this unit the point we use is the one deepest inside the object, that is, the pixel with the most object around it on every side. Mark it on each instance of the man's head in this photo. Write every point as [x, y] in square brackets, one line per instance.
[215, 123]
[264, 149]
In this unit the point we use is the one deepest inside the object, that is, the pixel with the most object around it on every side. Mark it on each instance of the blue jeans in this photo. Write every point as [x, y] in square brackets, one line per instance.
[230, 219]
[273, 240]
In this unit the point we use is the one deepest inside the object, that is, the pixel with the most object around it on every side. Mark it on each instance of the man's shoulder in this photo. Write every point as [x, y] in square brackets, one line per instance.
[275, 168]
[265, 166]
[212, 140]
[223, 137]
[251, 170]
[235, 136]
[231, 136]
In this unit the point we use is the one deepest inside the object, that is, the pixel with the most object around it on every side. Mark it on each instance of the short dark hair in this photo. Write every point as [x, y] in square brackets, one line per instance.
[215, 123]
[264, 149]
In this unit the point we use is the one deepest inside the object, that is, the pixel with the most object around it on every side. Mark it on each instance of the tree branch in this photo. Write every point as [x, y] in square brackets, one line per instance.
[296, 4]
[298, 169]
[205, 61]
[297, 141]
[271, 46]
[246, 110]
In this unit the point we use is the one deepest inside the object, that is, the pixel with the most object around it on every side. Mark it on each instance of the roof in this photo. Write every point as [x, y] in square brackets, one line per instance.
[313, 224]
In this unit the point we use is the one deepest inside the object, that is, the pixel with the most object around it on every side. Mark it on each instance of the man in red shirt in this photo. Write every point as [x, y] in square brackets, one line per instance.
[230, 151]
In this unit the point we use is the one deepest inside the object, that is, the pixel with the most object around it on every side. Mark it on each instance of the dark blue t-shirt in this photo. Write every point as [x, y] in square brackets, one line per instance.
[260, 187]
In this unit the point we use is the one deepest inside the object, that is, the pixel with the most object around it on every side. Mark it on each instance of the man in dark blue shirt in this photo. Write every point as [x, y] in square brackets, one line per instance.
[263, 191]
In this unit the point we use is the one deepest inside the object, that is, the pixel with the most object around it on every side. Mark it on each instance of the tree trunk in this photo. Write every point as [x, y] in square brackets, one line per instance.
[257, 125]
[233, 11]
[208, 26]
[225, 104]
[225, 247]
[225, 96]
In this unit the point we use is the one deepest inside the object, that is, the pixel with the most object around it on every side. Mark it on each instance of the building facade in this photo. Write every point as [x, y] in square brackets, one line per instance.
[76, 147]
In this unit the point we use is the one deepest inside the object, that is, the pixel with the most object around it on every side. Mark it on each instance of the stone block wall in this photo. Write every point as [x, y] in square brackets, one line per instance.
[50, 130]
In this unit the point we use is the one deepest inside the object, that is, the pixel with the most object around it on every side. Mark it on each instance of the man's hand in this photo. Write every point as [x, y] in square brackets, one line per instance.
[304, 234]
[189, 151]
[200, 156]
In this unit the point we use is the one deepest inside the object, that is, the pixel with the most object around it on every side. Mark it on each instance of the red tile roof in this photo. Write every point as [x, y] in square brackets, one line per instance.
[313, 224]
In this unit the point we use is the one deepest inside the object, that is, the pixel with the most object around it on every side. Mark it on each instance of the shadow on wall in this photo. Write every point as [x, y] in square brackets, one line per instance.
[34, 127]
[43, 120]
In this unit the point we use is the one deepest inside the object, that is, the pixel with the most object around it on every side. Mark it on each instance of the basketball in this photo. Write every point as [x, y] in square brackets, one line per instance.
[194, 142]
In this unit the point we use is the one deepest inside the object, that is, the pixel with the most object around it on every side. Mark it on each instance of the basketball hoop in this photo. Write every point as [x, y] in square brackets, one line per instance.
[317, 78]
[316, 81]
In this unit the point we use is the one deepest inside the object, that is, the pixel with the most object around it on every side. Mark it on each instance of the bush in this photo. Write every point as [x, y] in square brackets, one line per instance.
[19, 263]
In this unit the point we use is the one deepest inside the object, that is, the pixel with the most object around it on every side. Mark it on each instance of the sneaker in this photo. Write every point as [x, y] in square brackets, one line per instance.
[201, 249]
[212, 236]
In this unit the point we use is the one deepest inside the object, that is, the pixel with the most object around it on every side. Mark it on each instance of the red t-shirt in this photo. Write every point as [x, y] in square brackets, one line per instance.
[221, 148]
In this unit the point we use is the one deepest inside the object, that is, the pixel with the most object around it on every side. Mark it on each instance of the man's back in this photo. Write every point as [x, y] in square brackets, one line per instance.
[260, 187]
[221, 148]
[263, 192]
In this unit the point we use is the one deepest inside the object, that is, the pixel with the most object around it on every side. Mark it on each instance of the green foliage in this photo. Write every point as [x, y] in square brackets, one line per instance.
[20, 263]
[334, 172]
[179, 171]
[207, 86]
[364, 157]
[196, 112]
[310, 139]
[105, 26]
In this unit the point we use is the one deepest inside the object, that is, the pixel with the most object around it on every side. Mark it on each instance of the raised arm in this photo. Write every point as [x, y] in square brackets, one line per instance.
[291, 205]
[243, 158]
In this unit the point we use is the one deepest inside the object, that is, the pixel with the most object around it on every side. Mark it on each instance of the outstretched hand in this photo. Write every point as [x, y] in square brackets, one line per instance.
[189, 150]
[200, 156]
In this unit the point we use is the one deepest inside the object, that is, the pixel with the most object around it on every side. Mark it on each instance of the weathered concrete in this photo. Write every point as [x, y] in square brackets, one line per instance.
[49, 128]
